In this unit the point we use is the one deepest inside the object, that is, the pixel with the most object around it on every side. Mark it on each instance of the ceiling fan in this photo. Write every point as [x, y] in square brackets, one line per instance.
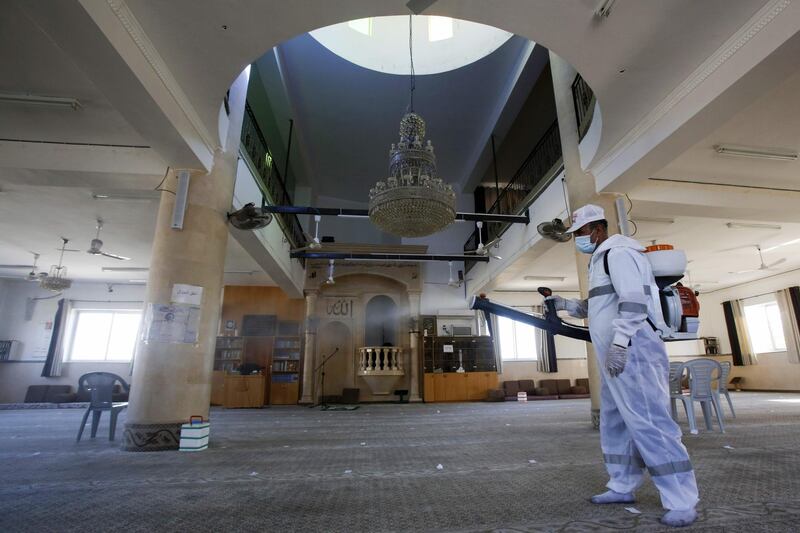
[96, 247]
[418, 6]
[484, 249]
[763, 266]
[313, 242]
[330, 281]
[34, 274]
[455, 280]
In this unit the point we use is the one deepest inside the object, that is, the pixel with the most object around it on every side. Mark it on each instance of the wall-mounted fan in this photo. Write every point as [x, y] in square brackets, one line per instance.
[554, 230]
[764, 266]
[95, 248]
[249, 217]
[313, 242]
[484, 249]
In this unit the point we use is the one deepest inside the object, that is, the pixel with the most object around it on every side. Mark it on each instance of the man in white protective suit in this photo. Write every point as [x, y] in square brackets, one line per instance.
[636, 429]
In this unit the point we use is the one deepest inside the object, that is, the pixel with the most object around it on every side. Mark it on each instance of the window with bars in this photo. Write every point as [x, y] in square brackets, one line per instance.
[103, 334]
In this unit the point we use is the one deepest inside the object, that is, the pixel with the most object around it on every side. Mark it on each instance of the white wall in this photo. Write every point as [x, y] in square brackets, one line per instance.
[34, 335]
[571, 353]
[773, 371]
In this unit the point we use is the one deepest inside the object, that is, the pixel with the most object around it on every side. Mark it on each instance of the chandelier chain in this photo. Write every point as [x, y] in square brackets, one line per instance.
[411, 56]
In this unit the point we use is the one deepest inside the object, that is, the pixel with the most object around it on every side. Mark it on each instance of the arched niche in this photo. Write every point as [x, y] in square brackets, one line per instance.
[381, 322]
[338, 368]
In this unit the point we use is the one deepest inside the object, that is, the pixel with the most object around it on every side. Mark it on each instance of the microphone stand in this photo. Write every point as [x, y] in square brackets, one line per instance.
[322, 401]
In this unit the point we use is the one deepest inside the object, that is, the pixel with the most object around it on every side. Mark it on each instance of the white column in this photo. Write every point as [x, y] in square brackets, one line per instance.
[310, 347]
[413, 311]
[582, 190]
[172, 381]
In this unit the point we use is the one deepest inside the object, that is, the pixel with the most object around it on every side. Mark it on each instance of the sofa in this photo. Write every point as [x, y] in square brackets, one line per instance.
[64, 394]
[547, 389]
[47, 393]
[512, 388]
[564, 390]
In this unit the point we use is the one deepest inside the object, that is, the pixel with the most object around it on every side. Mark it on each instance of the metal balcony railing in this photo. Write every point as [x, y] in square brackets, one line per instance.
[539, 169]
[269, 179]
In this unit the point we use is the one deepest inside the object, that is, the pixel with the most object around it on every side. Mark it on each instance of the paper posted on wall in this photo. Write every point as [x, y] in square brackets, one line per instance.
[172, 323]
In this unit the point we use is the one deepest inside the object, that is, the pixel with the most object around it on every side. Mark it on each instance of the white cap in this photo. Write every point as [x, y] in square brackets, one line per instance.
[584, 215]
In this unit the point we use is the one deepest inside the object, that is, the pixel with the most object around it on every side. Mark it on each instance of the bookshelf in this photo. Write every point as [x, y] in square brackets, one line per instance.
[286, 366]
[229, 353]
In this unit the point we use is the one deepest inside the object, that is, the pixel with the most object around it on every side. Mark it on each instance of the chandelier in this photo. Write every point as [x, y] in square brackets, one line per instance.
[413, 201]
[56, 280]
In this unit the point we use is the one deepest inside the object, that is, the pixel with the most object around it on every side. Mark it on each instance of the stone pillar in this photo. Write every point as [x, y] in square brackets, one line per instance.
[413, 312]
[310, 346]
[582, 190]
[172, 381]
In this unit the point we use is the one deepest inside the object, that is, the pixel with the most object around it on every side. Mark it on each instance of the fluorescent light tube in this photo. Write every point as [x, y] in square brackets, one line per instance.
[124, 269]
[36, 99]
[753, 225]
[781, 154]
[654, 219]
[123, 194]
[544, 278]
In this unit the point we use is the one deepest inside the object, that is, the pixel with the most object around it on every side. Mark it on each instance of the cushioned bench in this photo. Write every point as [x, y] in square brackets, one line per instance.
[49, 394]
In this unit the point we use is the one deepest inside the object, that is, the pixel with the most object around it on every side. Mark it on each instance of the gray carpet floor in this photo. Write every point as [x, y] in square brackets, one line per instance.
[504, 467]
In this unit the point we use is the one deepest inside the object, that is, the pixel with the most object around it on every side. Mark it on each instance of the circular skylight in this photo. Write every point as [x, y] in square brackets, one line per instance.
[440, 43]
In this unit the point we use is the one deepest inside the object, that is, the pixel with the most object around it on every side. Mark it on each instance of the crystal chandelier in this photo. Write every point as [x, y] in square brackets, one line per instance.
[413, 201]
[57, 280]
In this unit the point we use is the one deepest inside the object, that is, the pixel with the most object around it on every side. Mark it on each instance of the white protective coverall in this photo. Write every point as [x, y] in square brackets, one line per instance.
[636, 429]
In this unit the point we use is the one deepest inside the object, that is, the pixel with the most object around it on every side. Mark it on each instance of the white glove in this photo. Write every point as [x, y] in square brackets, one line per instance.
[616, 358]
[559, 302]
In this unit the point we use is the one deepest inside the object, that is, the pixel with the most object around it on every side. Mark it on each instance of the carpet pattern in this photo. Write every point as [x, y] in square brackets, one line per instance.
[407, 467]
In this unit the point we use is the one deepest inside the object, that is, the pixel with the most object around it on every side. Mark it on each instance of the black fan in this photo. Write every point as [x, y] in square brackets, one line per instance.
[249, 217]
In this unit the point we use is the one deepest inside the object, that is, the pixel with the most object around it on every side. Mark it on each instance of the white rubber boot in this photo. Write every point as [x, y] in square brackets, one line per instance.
[613, 497]
[679, 518]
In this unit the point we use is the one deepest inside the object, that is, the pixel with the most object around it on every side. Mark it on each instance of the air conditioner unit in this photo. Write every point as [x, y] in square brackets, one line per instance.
[10, 350]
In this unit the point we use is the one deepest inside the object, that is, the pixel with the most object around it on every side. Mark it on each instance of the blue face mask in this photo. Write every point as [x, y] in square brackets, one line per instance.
[584, 244]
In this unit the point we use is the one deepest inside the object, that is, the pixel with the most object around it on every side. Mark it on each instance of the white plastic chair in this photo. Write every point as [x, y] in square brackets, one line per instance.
[723, 384]
[676, 372]
[701, 389]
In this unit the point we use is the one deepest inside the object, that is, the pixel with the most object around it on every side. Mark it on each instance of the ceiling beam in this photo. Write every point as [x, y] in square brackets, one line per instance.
[364, 213]
[107, 42]
[408, 258]
[80, 157]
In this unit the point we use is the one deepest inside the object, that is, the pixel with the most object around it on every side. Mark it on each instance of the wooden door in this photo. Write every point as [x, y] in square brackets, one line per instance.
[456, 389]
[476, 386]
[428, 392]
[440, 384]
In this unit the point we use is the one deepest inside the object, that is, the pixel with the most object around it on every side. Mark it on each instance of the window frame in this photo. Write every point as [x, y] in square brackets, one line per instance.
[516, 357]
[72, 328]
[763, 302]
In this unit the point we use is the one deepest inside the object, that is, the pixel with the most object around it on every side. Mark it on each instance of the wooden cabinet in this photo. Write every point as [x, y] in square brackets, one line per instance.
[244, 391]
[217, 387]
[476, 386]
[284, 393]
[458, 387]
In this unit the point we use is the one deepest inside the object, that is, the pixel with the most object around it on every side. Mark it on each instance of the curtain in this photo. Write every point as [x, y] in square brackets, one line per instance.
[494, 331]
[546, 348]
[789, 303]
[741, 347]
[55, 353]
